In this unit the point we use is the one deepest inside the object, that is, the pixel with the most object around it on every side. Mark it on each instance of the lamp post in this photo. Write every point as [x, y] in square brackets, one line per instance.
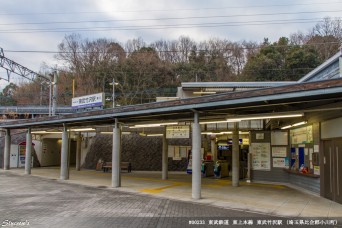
[113, 94]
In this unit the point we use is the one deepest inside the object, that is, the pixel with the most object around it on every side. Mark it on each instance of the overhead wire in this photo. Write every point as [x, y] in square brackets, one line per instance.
[148, 27]
[176, 9]
[174, 18]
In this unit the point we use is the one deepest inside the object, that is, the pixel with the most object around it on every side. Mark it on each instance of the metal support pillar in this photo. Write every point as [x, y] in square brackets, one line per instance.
[78, 152]
[116, 170]
[164, 158]
[7, 150]
[249, 166]
[65, 155]
[196, 158]
[28, 154]
[235, 158]
[213, 149]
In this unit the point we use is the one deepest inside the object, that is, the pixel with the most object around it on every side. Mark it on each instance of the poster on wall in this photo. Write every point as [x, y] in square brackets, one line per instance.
[259, 136]
[279, 138]
[178, 152]
[261, 156]
[279, 152]
[301, 135]
[22, 152]
[280, 163]
[170, 151]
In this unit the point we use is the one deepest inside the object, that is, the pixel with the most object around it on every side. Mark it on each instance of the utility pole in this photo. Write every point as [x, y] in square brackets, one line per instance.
[50, 97]
[113, 91]
[54, 97]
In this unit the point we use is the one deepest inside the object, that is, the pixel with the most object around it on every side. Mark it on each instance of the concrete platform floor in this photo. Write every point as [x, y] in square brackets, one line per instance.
[269, 199]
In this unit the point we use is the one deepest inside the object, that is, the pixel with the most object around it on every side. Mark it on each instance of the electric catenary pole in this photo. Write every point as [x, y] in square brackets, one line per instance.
[12, 67]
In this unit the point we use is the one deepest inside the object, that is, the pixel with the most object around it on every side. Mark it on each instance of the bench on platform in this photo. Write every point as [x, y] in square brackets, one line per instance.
[124, 166]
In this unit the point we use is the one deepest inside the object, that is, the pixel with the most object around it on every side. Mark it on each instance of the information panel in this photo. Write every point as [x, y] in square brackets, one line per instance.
[261, 156]
[279, 152]
[301, 135]
[279, 163]
[177, 132]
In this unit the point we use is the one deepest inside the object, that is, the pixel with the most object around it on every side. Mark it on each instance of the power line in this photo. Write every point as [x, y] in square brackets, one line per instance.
[212, 24]
[178, 9]
[130, 28]
[172, 18]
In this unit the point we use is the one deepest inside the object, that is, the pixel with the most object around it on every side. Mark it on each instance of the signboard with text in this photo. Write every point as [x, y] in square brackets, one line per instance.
[177, 132]
[88, 101]
[261, 156]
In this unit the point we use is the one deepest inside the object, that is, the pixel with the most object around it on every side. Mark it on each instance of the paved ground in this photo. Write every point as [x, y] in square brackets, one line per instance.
[276, 200]
[86, 200]
[52, 203]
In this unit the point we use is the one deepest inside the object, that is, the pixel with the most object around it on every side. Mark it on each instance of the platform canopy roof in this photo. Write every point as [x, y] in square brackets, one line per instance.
[318, 99]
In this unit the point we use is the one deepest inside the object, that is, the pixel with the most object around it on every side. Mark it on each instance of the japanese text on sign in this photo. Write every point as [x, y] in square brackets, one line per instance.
[93, 100]
[177, 132]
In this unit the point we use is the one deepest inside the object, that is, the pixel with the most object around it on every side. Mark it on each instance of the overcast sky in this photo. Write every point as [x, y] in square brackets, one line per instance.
[28, 28]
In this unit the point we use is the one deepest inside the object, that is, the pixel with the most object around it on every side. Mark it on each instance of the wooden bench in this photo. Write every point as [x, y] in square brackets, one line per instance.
[124, 166]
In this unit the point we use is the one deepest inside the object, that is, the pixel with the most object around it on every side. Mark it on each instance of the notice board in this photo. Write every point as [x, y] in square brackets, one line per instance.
[261, 156]
[279, 138]
[301, 135]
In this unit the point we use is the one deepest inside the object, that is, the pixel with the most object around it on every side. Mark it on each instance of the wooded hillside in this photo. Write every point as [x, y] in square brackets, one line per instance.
[146, 70]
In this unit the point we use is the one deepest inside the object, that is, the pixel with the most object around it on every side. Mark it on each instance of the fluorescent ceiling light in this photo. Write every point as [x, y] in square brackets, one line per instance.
[82, 129]
[266, 117]
[153, 125]
[221, 133]
[203, 93]
[300, 123]
[294, 125]
[110, 132]
[218, 121]
[286, 127]
[152, 135]
[59, 132]
[46, 132]
[224, 133]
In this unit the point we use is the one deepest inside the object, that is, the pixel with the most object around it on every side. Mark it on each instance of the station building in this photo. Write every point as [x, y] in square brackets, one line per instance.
[284, 132]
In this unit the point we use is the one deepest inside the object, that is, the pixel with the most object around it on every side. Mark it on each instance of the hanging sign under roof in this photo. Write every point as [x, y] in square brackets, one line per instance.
[177, 132]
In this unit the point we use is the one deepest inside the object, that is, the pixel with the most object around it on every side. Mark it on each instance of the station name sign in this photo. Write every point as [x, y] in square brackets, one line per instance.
[88, 101]
[177, 132]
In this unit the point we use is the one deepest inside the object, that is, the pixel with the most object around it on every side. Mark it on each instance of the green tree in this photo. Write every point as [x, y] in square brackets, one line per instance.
[6, 96]
[281, 61]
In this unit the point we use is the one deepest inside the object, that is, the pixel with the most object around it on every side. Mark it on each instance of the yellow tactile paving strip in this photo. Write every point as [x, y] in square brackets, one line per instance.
[216, 183]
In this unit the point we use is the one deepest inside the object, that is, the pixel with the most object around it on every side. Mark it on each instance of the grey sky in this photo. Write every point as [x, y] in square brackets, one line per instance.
[32, 25]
